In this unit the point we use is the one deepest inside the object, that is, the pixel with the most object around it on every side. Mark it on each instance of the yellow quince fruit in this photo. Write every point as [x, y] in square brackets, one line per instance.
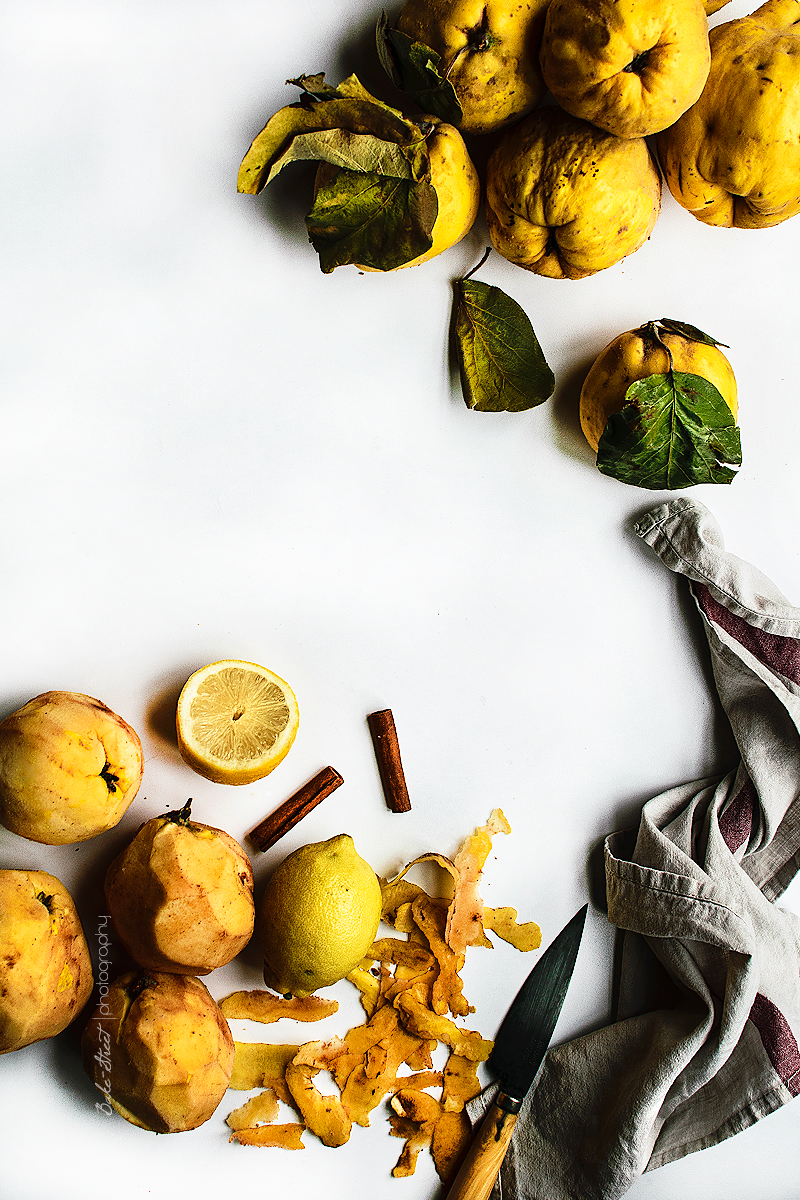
[45, 966]
[734, 158]
[457, 186]
[565, 199]
[160, 1051]
[180, 895]
[638, 354]
[488, 51]
[630, 66]
[69, 768]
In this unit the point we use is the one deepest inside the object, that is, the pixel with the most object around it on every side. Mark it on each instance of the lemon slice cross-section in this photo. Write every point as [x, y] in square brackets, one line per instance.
[235, 721]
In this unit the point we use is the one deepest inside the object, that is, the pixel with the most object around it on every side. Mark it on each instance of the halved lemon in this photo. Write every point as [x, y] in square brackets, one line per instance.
[235, 721]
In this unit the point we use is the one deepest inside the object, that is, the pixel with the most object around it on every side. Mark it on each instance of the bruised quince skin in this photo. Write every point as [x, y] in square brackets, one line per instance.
[160, 1051]
[629, 66]
[45, 968]
[733, 159]
[180, 895]
[488, 51]
[638, 354]
[564, 199]
[69, 768]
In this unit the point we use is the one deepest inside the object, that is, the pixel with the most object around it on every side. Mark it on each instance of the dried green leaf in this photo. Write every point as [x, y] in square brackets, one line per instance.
[352, 151]
[688, 331]
[347, 109]
[316, 87]
[415, 68]
[675, 431]
[502, 365]
[371, 220]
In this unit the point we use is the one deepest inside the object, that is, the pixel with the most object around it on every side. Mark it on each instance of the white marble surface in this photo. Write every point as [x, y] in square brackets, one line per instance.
[212, 450]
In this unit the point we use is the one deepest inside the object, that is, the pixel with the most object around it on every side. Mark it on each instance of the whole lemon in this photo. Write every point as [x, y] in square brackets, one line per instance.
[317, 917]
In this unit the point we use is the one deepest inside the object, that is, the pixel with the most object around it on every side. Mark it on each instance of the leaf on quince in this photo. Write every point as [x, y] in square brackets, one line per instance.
[675, 431]
[415, 68]
[502, 366]
[371, 220]
[691, 332]
[351, 122]
[352, 151]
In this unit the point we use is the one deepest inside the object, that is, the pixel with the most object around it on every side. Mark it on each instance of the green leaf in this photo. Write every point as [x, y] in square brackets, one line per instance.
[415, 68]
[352, 151]
[675, 431]
[371, 220]
[688, 331]
[347, 109]
[502, 365]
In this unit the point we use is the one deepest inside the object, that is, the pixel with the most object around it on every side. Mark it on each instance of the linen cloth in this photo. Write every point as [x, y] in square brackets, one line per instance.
[706, 1037]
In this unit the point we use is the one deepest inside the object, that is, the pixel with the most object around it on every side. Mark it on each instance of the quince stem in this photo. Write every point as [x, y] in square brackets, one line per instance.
[478, 266]
[179, 816]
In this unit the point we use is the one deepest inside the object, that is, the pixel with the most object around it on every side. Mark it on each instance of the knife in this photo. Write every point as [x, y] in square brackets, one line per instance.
[519, 1048]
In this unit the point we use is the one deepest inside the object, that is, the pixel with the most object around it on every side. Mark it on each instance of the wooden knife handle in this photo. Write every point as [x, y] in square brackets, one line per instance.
[480, 1168]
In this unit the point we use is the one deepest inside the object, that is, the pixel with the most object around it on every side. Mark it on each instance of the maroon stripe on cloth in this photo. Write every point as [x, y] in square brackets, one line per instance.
[779, 653]
[778, 1041]
[736, 821]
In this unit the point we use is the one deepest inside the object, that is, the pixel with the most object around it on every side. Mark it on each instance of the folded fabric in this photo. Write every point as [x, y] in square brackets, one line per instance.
[706, 1040]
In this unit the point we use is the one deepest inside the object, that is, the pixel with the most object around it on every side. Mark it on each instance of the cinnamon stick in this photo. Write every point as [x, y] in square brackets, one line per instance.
[387, 752]
[299, 805]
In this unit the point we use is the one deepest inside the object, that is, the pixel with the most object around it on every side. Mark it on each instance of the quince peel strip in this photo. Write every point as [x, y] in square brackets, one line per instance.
[408, 985]
[260, 1109]
[287, 1136]
[266, 1007]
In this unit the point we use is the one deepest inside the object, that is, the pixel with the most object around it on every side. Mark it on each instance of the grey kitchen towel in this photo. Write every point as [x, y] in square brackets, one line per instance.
[706, 1037]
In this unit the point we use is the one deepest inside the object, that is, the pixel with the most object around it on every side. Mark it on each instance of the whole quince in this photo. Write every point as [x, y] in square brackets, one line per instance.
[69, 768]
[630, 67]
[180, 895]
[642, 352]
[45, 968]
[457, 186]
[488, 51]
[565, 199]
[160, 1051]
[734, 158]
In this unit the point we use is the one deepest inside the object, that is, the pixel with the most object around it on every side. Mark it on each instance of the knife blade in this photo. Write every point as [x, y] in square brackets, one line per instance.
[519, 1049]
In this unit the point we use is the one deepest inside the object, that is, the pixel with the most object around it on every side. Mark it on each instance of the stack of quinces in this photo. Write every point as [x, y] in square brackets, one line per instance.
[577, 98]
